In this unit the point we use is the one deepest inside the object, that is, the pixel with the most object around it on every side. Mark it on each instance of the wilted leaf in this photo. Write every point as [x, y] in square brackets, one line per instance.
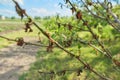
[116, 62]
[20, 12]
[27, 25]
[85, 23]
[79, 15]
[20, 41]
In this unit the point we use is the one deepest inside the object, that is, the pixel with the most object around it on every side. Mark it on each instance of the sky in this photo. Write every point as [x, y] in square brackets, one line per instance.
[34, 7]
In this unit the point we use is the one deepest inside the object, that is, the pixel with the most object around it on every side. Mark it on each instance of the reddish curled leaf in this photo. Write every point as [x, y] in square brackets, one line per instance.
[20, 12]
[23, 11]
[117, 63]
[28, 28]
[79, 15]
[85, 23]
[20, 41]
[27, 25]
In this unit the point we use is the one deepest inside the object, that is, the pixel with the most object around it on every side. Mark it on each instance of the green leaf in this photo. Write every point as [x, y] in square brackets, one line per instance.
[79, 46]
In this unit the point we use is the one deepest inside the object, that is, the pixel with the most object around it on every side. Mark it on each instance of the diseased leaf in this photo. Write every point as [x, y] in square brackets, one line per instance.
[116, 62]
[20, 12]
[27, 25]
[20, 41]
[79, 15]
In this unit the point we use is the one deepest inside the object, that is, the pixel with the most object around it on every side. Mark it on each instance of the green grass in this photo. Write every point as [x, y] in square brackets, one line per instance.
[16, 34]
[10, 25]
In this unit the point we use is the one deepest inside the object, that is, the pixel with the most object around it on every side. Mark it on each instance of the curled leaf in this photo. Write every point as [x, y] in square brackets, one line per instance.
[28, 28]
[85, 23]
[79, 15]
[20, 12]
[116, 62]
[27, 25]
[20, 41]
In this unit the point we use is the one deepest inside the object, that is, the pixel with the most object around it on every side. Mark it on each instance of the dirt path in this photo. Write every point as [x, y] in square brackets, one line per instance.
[15, 60]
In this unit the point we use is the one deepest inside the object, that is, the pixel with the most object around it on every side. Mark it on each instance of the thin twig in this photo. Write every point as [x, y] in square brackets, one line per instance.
[26, 43]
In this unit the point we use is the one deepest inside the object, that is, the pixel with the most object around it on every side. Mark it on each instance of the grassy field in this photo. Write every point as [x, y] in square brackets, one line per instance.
[7, 25]
[13, 30]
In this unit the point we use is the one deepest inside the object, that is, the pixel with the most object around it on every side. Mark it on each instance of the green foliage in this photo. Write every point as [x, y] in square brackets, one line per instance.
[37, 18]
[13, 17]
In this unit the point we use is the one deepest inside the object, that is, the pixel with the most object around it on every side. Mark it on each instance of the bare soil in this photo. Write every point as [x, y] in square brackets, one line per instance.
[15, 60]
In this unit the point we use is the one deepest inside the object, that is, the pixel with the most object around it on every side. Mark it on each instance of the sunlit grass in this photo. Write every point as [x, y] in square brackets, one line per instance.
[17, 34]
